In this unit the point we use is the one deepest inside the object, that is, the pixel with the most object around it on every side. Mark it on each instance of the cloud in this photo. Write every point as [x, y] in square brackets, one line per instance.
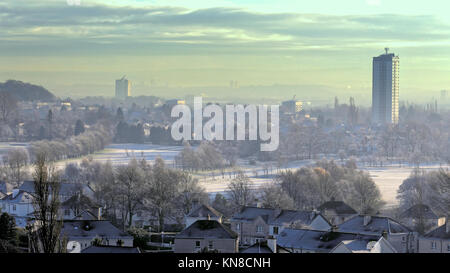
[56, 28]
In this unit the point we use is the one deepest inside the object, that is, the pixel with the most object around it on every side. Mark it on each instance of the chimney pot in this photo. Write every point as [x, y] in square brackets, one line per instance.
[367, 219]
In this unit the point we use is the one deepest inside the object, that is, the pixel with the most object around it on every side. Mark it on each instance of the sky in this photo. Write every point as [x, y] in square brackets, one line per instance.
[79, 50]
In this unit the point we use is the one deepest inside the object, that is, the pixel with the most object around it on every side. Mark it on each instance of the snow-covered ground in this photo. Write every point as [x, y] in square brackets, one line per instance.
[388, 178]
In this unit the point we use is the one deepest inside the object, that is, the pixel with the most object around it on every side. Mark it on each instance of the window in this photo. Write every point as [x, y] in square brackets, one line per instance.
[197, 243]
[448, 248]
[275, 230]
[259, 229]
[433, 245]
[14, 207]
[67, 212]
[210, 245]
[238, 226]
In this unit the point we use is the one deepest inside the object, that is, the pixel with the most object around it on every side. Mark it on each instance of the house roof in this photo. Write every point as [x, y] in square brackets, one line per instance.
[110, 249]
[418, 211]
[21, 197]
[207, 229]
[261, 247]
[318, 241]
[439, 232]
[66, 189]
[251, 213]
[339, 207]
[80, 200]
[376, 226]
[85, 215]
[292, 216]
[97, 228]
[367, 245]
[276, 217]
[204, 210]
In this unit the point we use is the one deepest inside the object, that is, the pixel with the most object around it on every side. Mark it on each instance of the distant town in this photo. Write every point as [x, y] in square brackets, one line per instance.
[104, 175]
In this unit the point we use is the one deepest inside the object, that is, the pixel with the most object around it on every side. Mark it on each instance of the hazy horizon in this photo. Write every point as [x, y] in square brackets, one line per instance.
[172, 48]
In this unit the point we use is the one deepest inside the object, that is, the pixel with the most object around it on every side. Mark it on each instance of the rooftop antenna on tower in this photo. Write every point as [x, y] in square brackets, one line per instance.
[386, 49]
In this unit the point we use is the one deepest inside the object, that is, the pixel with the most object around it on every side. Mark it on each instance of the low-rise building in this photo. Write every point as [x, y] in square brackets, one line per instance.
[436, 240]
[421, 215]
[86, 231]
[337, 212]
[254, 224]
[202, 212]
[316, 241]
[402, 238]
[208, 236]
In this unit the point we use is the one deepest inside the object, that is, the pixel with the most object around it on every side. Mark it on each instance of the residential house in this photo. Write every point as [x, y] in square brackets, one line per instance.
[79, 205]
[337, 212]
[66, 191]
[317, 241]
[85, 231]
[436, 240]
[18, 204]
[202, 212]
[364, 246]
[401, 237]
[209, 235]
[254, 224]
[421, 214]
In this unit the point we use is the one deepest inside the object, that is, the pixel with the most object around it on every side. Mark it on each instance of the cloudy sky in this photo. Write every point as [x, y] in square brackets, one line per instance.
[82, 49]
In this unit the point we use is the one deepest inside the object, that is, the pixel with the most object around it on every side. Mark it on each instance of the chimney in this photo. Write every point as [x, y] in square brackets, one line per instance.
[99, 213]
[334, 228]
[209, 217]
[367, 219]
[272, 243]
[15, 192]
[385, 234]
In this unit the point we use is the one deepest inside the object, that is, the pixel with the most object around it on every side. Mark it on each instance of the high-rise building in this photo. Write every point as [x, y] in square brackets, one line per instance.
[123, 88]
[385, 88]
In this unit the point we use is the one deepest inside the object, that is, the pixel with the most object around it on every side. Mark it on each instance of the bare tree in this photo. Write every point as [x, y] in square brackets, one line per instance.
[7, 106]
[46, 235]
[16, 159]
[240, 191]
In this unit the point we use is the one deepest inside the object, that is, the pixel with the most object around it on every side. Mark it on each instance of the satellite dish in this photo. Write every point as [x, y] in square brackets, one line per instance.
[73, 247]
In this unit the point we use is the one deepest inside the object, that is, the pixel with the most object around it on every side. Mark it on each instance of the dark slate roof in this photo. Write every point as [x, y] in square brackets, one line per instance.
[85, 215]
[98, 228]
[318, 241]
[110, 249]
[419, 210]
[261, 247]
[207, 229]
[291, 216]
[376, 226]
[439, 232]
[67, 189]
[338, 206]
[80, 200]
[251, 213]
[204, 210]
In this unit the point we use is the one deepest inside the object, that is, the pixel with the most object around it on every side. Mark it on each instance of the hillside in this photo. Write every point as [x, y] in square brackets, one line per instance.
[26, 92]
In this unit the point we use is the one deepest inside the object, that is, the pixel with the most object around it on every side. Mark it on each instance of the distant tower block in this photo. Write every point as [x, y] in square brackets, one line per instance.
[385, 88]
[123, 88]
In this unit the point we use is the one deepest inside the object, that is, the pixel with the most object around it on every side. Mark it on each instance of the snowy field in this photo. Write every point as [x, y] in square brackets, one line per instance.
[388, 178]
